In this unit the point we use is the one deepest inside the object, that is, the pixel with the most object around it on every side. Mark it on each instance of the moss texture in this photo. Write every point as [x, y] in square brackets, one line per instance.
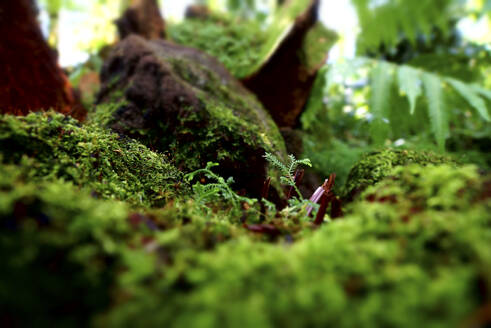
[50, 146]
[97, 262]
[235, 43]
[244, 46]
[375, 166]
[181, 101]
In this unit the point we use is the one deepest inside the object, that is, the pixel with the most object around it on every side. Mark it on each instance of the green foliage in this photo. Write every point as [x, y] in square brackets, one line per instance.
[287, 170]
[61, 245]
[425, 92]
[436, 106]
[244, 45]
[381, 81]
[235, 43]
[212, 191]
[409, 84]
[382, 22]
[53, 146]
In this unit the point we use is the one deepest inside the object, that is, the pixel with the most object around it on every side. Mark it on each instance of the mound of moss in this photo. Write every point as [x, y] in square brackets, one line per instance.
[376, 165]
[376, 267]
[50, 145]
[181, 101]
[237, 44]
[413, 251]
[68, 256]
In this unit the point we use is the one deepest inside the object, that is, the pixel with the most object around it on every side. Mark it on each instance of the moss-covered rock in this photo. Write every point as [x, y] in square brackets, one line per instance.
[51, 145]
[181, 101]
[375, 166]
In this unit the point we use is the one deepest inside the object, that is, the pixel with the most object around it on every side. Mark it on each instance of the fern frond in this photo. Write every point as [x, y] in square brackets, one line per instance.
[482, 91]
[381, 21]
[472, 97]
[436, 107]
[287, 170]
[409, 85]
[413, 83]
[381, 81]
[273, 160]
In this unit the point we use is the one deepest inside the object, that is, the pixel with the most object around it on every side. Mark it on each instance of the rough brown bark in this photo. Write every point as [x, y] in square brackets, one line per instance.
[197, 11]
[284, 83]
[142, 18]
[30, 78]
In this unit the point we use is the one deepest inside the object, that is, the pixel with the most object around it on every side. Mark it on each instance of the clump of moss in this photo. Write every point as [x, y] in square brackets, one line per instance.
[57, 246]
[375, 166]
[73, 260]
[236, 43]
[54, 146]
[365, 270]
[69, 257]
[183, 102]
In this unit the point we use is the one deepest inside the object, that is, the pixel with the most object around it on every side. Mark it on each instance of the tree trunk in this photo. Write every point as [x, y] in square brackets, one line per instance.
[284, 83]
[30, 78]
[142, 18]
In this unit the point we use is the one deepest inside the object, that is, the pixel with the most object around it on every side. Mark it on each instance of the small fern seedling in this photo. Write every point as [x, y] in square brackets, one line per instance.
[288, 170]
[219, 188]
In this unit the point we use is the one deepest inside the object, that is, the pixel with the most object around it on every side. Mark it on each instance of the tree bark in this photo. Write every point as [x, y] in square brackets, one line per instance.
[284, 83]
[142, 18]
[30, 78]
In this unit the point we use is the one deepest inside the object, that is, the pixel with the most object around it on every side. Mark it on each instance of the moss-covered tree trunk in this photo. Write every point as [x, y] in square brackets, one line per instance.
[30, 78]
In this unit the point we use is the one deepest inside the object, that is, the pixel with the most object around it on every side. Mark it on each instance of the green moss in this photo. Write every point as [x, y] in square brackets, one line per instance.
[367, 269]
[244, 46]
[374, 166]
[57, 246]
[420, 229]
[54, 146]
[67, 254]
[415, 188]
[316, 45]
[235, 43]
[206, 116]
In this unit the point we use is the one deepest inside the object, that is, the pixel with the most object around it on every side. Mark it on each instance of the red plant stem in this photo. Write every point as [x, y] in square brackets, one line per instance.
[322, 209]
[326, 198]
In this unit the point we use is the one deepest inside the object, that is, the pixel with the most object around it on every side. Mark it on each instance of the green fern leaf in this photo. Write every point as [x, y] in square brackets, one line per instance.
[485, 93]
[472, 97]
[438, 116]
[410, 85]
[381, 81]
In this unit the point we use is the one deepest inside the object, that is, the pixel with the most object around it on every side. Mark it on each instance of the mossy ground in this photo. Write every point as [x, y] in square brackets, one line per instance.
[412, 249]
[52, 146]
